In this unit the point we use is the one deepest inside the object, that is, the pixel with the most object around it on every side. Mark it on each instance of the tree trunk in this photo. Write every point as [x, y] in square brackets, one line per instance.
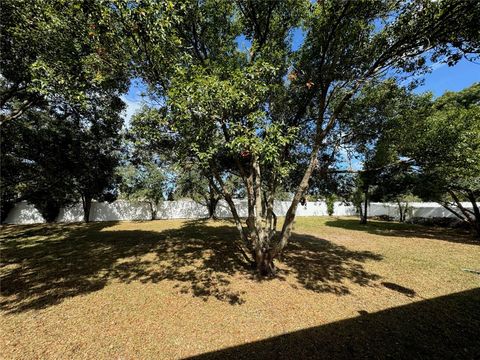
[261, 221]
[243, 246]
[87, 203]
[264, 262]
[405, 211]
[472, 217]
[153, 210]
[256, 244]
[290, 216]
[401, 211]
[212, 204]
[364, 216]
[320, 135]
[476, 213]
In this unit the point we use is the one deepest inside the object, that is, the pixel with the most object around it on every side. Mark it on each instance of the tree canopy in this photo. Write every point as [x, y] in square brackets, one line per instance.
[445, 144]
[235, 88]
[51, 50]
[63, 155]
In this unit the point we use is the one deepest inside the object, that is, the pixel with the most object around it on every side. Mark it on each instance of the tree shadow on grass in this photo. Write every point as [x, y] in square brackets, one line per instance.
[44, 264]
[322, 266]
[395, 229]
[441, 328]
[400, 289]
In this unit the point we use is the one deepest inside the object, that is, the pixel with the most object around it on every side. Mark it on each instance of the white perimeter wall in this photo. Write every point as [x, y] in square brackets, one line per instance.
[24, 213]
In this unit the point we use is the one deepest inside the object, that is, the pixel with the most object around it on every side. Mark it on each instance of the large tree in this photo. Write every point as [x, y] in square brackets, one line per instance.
[34, 163]
[55, 158]
[51, 49]
[445, 145]
[94, 148]
[235, 88]
[52, 52]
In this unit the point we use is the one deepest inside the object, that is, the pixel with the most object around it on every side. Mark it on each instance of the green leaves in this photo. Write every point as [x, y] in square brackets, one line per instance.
[145, 182]
[57, 49]
[446, 143]
[217, 104]
[232, 88]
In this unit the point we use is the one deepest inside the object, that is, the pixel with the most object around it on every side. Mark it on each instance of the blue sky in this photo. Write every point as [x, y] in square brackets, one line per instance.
[133, 99]
[444, 78]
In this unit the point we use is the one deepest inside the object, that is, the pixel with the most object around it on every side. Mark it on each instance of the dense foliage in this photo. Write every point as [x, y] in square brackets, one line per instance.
[445, 144]
[55, 158]
[55, 49]
[234, 87]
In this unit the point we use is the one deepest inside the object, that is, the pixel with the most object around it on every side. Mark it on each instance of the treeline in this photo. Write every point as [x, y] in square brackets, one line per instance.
[57, 156]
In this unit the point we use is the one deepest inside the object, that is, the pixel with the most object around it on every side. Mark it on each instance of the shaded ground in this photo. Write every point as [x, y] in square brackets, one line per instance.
[385, 334]
[404, 230]
[44, 264]
[173, 289]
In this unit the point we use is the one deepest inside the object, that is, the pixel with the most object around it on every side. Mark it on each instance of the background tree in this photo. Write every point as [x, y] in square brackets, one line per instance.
[397, 183]
[193, 183]
[40, 169]
[96, 142]
[330, 201]
[187, 177]
[445, 145]
[260, 105]
[51, 49]
[143, 182]
[374, 132]
[64, 154]
[54, 53]
[12, 168]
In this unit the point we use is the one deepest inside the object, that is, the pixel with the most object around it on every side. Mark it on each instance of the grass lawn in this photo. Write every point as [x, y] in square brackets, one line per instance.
[172, 289]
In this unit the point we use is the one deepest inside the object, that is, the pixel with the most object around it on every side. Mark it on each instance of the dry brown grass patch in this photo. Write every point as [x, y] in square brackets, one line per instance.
[174, 289]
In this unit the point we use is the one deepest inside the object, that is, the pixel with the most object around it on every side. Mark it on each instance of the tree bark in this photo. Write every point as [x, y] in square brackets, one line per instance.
[400, 210]
[153, 210]
[264, 255]
[471, 217]
[320, 135]
[363, 219]
[290, 216]
[446, 206]
[476, 213]
[87, 203]
[212, 206]
[212, 198]
[244, 246]
[465, 212]
[360, 210]
[265, 264]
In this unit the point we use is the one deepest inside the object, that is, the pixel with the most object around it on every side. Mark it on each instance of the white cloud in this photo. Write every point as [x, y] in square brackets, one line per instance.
[437, 66]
